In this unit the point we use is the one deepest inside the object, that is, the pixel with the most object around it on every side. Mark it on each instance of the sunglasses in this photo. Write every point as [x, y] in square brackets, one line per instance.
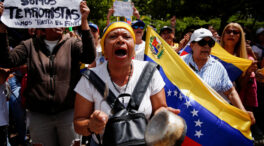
[228, 31]
[203, 42]
[136, 27]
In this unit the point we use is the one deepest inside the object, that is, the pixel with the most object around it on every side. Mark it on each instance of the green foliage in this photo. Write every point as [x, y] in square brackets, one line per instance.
[182, 24]
[98, 11]
[189, 13]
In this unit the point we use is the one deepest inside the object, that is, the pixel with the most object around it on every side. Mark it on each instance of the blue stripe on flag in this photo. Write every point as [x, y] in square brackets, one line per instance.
[202, 125]
[232, 70]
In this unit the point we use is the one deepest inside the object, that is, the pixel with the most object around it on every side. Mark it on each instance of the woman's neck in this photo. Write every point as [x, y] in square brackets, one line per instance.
[138, 41]
[120, 75]
[97, 44]
[230, 48]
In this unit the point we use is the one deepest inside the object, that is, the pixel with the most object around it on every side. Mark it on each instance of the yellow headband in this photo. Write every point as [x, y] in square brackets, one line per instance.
[116, 25]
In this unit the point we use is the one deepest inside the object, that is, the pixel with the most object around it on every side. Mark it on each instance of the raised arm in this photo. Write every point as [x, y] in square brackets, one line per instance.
[88, 52]
[136, 13]
[17, 56]
[109, 14]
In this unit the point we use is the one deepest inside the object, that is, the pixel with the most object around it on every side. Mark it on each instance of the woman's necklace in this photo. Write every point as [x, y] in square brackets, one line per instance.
[123, 100]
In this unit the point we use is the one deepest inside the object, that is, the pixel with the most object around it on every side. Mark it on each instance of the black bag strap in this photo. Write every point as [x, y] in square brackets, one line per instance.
[101, 88]
[137, 94]
[141, 86]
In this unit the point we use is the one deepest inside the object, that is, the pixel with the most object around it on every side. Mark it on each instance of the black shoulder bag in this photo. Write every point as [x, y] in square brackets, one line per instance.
[127, 126]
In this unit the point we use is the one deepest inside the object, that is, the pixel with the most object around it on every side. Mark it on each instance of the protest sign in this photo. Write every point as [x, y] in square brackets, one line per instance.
[123, 9]
[41, 13]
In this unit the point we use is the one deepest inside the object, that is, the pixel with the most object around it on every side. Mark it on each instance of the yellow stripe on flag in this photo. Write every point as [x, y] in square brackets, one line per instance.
[222, 54]
[191, 85]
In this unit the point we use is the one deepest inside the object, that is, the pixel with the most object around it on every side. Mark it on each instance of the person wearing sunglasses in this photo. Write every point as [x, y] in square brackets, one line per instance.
[234, 41]
[167, 33]
[209, 69]
[138, 28]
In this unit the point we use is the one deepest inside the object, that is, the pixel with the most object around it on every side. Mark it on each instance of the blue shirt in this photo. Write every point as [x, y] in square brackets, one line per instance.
[213, 73]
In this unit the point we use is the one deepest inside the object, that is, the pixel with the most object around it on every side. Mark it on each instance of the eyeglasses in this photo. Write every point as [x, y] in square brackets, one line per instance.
[203, 42]
[136, 27]
[235, 32]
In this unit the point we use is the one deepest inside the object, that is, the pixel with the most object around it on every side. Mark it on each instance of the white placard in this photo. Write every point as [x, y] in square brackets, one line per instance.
[123, 9]
[41, 13]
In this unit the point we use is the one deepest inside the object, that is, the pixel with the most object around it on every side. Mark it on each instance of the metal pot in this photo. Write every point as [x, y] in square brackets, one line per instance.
[165, 129]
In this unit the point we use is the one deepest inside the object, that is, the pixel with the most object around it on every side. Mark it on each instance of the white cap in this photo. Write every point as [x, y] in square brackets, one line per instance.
[260, 30]
[199, 34]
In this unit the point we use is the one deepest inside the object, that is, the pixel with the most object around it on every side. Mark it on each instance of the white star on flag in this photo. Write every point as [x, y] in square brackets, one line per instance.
[169, 92]
[198, 123]
[198, 133]
[180, 97]
[188, 103]
[194, 113]
[175, 92]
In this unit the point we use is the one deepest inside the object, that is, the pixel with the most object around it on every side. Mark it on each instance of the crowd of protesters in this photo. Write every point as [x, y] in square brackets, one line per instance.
[34, 117]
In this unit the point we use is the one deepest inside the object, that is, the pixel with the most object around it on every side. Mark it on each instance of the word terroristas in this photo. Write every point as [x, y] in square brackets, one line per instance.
[51, 13]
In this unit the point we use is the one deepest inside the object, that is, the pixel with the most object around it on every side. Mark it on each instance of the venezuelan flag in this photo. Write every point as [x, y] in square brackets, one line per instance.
[210, 120]
[234, 66]
[128, 20]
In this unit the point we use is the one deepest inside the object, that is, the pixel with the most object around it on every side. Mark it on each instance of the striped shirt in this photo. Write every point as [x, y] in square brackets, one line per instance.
[213, 73]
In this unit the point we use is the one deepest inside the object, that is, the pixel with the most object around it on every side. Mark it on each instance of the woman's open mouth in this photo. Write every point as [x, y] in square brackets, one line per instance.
[121, 52]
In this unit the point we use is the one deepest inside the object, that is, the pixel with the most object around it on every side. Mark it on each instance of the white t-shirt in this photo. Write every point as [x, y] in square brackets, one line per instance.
[140, 50]
[87, 90]
[4, 119]
[99, 57]
[51, 44]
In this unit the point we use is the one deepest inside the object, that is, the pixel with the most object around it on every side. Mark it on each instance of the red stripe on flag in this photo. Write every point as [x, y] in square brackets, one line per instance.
[189, 142]
[184, 53]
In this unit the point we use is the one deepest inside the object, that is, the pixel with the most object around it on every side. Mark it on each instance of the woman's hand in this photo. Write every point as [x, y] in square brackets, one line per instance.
[1, 8]
[84, 10]
[135, 12]
[252, 68]
[173, 110]
[252, 118]
[98, 120]
[110, 12]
